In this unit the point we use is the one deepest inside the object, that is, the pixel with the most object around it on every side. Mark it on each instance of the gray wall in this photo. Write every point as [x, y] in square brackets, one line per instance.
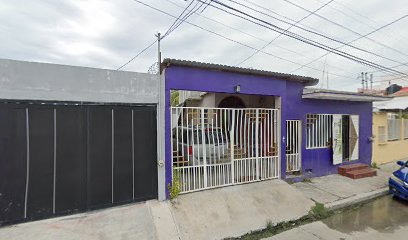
[43, 81]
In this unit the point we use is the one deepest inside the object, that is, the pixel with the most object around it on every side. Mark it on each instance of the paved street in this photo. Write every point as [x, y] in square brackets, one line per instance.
[384, 218]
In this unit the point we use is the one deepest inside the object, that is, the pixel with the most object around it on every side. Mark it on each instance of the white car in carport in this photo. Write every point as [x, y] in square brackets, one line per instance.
[188, 142]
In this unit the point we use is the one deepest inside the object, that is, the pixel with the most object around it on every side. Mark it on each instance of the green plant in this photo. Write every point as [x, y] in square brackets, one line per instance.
[374, 165]
[269, 225]
[175, 186]
[174, 98]
[319, 211]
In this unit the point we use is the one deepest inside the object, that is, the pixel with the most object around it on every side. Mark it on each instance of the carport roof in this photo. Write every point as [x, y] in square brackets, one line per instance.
[308, 81]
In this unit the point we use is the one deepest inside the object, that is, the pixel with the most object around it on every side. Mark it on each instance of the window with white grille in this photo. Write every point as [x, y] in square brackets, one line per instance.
[318, 130]
[394, 128]
[382, 137]
[405, 128]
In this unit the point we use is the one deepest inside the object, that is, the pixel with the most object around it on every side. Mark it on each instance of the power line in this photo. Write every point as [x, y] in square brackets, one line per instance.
[362, 16]
[303, 39]
[266, 45]
[172, 27]
[320, 34]
[235, 41]
[174, 23]
[344, 27]
[356, 39]
[187, 15]
[253, 36]
[137, 55]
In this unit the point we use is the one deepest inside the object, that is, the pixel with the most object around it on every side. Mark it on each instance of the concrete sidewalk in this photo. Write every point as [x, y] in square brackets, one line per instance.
[336, 191]
[211, 214]
[148, 220]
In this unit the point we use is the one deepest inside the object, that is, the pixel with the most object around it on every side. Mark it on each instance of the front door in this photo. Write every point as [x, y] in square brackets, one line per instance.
[293, 133]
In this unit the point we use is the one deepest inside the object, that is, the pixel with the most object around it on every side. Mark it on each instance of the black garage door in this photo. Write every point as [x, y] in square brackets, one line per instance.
[57, 159]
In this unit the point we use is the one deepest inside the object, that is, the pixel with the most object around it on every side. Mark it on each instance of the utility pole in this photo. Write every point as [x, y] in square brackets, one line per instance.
[362, 80]
[158, 53]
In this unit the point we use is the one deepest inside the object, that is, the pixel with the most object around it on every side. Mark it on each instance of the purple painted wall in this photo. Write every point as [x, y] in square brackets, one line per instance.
[319, 159]
[293, 108]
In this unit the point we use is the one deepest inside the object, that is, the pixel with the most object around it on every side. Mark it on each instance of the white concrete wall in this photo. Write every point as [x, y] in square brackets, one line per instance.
[42, 81]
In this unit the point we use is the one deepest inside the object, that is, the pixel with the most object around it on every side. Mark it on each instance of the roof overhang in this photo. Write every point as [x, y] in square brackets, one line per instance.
[341, 95]
[397, 103]
[307, 81]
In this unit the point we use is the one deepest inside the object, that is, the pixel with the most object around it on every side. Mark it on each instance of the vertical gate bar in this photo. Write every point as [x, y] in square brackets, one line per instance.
[300, 143]
[218, 138]
[27, 162]
[177, 134]
[188, 139]
[245, 133]
[292, 144]
[227, 142]
[257, 143]
[197, 138]
[278, 126]
[113, 147]
[325, 129]
[315, 130]
[318, 131]
[213, 142]
[268, 142]
[208, 140]
[204, 148]
[308, 131]
[182, 136]
[240, 130]
[232, 111]
[55, 160]
[193, 147]
[173, 111]
[287, 144]
[133, 156]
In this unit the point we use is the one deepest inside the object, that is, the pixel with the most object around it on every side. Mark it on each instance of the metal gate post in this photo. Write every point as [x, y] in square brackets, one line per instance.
[257, 143]
[232, 140]
[279, 129]
[204, 146]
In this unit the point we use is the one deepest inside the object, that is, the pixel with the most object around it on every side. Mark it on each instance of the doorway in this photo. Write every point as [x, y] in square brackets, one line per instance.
[346, 137]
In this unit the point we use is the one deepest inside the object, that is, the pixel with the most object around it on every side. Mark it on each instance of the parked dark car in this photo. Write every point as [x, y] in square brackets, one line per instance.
[398, 181]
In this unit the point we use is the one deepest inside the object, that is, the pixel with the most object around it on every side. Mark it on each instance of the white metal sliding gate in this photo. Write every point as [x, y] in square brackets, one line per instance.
[293, 145]
[215, 147]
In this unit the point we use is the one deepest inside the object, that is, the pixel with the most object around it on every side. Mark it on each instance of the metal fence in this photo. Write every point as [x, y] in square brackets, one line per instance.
[293, 145]
[214, 147]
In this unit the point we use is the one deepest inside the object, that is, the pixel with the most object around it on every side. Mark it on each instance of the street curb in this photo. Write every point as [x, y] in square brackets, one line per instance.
[359, 198]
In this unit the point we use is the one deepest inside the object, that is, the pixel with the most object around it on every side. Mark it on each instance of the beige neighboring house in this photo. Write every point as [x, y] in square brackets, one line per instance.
[390, 130]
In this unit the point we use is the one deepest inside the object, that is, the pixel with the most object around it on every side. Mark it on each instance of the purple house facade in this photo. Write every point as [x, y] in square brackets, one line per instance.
[295, 131]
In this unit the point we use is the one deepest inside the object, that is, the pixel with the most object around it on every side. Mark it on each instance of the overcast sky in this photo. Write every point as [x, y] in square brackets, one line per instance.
[106, 34]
